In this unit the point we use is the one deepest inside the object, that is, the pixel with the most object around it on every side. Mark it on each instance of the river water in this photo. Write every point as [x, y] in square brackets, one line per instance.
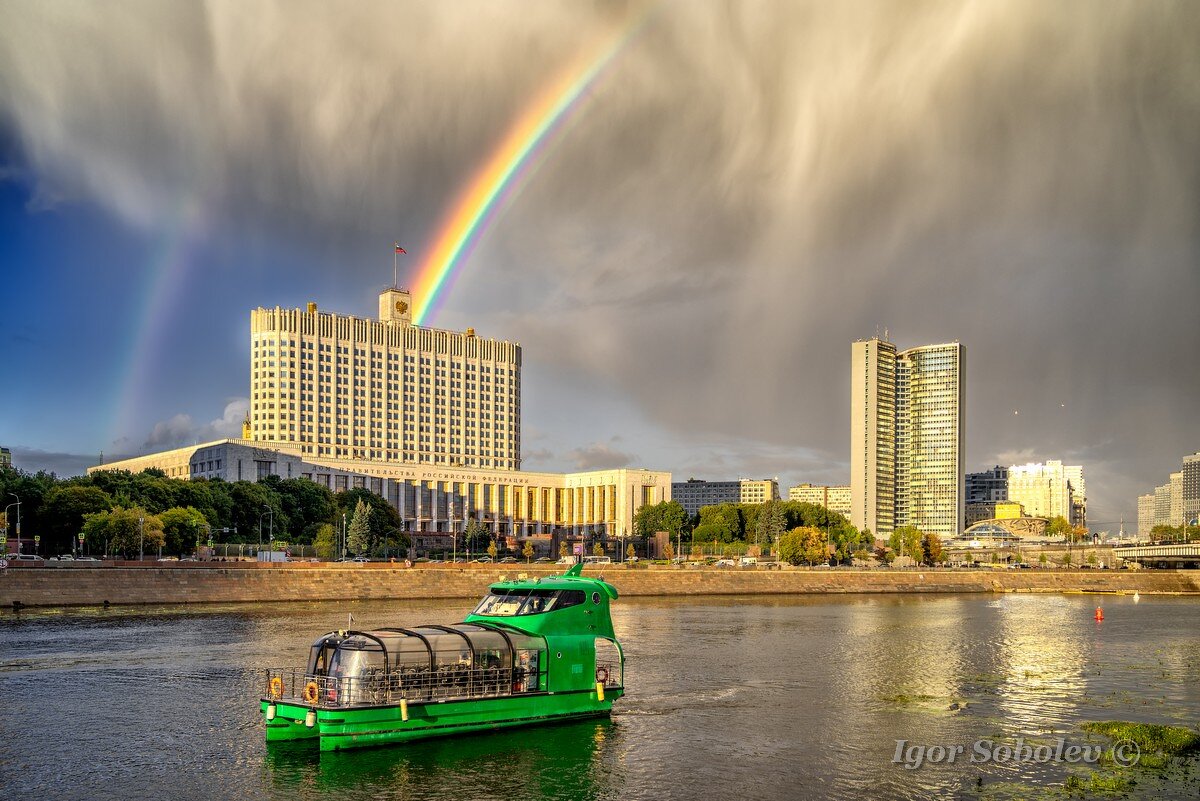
[759, 698]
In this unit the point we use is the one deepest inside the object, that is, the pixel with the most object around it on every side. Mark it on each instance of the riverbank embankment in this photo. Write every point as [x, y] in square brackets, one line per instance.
[152, 583]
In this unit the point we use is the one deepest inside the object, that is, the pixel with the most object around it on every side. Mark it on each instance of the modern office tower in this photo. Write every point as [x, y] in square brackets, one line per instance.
[990, 485]
[346, 388]
[1191, 487]
[1162, 505]
[929, 439]
[835, 499]
[907, 437]
[694, 493]
[1145, 509]
[1047, 490]
[873, 436]
[1175, 516]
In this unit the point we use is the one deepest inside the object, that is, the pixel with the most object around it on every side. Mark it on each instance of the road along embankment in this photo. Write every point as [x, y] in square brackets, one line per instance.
[250, 582]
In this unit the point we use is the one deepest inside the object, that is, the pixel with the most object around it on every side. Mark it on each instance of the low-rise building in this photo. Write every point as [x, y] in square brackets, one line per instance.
[694, 493]
[433, 498]
[835, 499]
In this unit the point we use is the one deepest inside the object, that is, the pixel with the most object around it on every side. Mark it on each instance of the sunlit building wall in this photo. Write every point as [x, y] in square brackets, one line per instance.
[930, 438]
[907, 437]
[873, 436]
[835, 499]
[1145, 514]
[343, 387]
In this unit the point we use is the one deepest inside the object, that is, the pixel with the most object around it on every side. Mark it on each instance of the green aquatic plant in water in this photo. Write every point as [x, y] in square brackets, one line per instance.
[1157, 743]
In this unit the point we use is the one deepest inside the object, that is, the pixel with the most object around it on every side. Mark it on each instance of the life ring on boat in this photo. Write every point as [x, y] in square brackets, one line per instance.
[311, 692]
[276, 687]
[602, 675]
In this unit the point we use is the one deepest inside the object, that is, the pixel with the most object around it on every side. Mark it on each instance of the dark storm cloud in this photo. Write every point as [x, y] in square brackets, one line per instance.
[752, 187]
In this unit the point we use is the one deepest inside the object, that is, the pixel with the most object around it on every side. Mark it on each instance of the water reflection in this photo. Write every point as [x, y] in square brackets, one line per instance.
[568, 761]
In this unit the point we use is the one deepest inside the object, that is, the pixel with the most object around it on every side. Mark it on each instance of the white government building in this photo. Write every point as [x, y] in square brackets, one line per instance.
[428, 419]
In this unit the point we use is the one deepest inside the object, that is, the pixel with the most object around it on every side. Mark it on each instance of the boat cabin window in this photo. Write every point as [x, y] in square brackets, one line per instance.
[349, 661]
[510, 603]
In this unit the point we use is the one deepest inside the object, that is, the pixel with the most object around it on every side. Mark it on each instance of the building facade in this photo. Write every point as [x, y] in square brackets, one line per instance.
[5, 457]
[989, 485]
[1190, 487]
[835, 499]
[1048, 490]
[694, 493]
[1162, 504]
[873, 436]
[1145, 512]
[907, 437]
[431, 498]
[343, 387]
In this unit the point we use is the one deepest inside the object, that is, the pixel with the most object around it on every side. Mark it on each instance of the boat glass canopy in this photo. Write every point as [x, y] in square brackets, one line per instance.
[505, 602]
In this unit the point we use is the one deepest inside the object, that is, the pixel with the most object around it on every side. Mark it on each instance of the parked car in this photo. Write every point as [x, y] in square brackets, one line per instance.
[481, 560]
[360, 559]
[62, 557]
[86, 559]
[723, 563]
[508, 560]
[28, 557]
[543, 560]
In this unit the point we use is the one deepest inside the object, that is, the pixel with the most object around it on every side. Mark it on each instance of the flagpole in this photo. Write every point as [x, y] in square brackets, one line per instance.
[396, 266]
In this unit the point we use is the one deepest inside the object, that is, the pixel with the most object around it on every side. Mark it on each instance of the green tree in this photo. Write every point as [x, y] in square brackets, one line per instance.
[770, 522]
[1060, 527]
[358, 536]
[1093, 559]
[725, 518]
[563, 549]
[906, 541]
[126, 530]
[597, 548]
[668, 516]
[631, 552]
[711, 533]
[1043, 559]
[492, 550]
[791, 546]
[181, 526]
[63, 513]
[1065, 559]
[477, 537]
[931, 546]
[527, 550]
[323, 542]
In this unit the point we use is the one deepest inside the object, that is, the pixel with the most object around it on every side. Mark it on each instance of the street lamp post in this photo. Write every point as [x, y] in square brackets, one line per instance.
[141, 537]
[270, 527]
[343, 535]
[18, 505]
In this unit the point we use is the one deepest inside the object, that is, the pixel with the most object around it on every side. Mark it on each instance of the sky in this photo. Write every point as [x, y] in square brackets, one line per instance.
[743, 191]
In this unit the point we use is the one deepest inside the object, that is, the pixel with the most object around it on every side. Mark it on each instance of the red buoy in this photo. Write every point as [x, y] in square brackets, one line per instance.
[1099, 613]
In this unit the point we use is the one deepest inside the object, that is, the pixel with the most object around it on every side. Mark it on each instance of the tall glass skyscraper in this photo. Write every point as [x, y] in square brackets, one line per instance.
[907, 437]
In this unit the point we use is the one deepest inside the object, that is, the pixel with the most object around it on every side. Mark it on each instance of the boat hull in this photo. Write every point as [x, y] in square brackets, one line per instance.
[361, 727]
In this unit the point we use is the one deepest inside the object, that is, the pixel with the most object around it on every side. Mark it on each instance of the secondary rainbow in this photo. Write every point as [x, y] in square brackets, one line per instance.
[475, 208]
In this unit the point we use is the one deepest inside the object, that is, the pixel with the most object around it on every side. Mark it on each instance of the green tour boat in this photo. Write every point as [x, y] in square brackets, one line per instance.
[535, 650]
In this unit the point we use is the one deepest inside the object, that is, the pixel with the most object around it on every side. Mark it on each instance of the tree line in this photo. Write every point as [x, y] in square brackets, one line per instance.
[121, 512]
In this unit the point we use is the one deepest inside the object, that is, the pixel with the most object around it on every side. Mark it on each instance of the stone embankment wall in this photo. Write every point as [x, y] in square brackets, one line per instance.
[225, 583]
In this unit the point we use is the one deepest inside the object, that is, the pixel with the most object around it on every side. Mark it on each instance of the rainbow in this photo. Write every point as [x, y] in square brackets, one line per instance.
[485, 194]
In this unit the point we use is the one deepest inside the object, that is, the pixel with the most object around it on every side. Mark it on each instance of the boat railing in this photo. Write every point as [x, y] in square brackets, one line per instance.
[415, 685]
